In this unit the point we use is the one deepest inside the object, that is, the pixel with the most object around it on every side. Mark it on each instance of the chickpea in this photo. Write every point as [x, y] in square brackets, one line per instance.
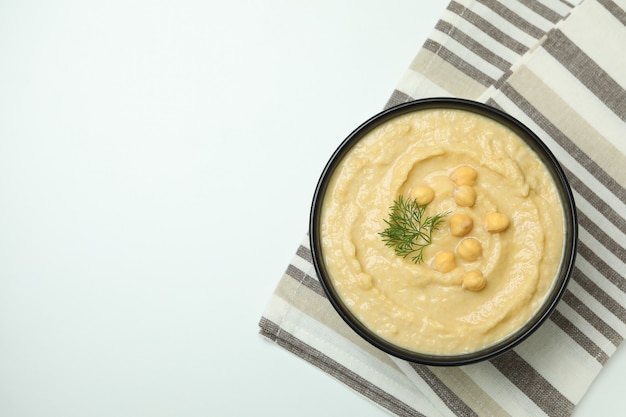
[423, 195]
[469, 249]
[464, 195]
[497, 222]
[460, 224]
[444, 262]
[474, 281]
[464, 175]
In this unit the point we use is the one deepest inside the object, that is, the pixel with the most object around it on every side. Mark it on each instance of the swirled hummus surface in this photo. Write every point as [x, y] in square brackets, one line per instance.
[475, 285]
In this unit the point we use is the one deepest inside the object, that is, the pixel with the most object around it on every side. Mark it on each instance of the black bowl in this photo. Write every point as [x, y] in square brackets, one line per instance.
[570, 241]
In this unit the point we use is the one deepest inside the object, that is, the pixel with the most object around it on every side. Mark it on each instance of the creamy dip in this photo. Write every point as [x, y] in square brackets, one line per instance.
[480, 280]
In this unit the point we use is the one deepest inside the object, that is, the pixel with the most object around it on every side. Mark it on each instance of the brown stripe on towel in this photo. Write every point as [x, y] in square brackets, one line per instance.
[602, 236]
[512, 17]
[304, 253]
[615, 10]
[473, 45]
[449, 398]
[599, 294]
[306, 280]
[488, 28]
[268, 328]
[579, 337]
[533, 384]
[397, 97]
[592, 318]
[587, 71]
[596, 201]
[601, 266]
[542, 10]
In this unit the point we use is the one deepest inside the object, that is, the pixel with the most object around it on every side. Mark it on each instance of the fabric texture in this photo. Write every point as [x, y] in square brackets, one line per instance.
[555, 66]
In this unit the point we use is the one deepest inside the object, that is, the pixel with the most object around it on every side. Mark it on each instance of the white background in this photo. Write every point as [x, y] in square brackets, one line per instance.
[157, 163]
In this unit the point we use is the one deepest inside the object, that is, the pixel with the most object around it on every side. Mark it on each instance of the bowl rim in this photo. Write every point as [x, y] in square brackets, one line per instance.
[569, 247]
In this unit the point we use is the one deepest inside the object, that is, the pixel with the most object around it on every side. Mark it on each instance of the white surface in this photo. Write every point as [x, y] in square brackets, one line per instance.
[157, 161]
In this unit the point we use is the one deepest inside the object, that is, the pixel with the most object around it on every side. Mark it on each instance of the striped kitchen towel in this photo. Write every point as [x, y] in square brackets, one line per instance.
[557, 66]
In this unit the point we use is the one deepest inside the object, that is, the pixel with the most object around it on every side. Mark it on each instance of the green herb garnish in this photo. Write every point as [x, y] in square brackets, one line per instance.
[408, 230]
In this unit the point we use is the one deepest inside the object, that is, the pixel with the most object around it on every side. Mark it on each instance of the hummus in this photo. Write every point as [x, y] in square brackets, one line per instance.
[492, 260]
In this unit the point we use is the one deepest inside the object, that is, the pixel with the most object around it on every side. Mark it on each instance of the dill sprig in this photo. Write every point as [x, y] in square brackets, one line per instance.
[409, 231]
